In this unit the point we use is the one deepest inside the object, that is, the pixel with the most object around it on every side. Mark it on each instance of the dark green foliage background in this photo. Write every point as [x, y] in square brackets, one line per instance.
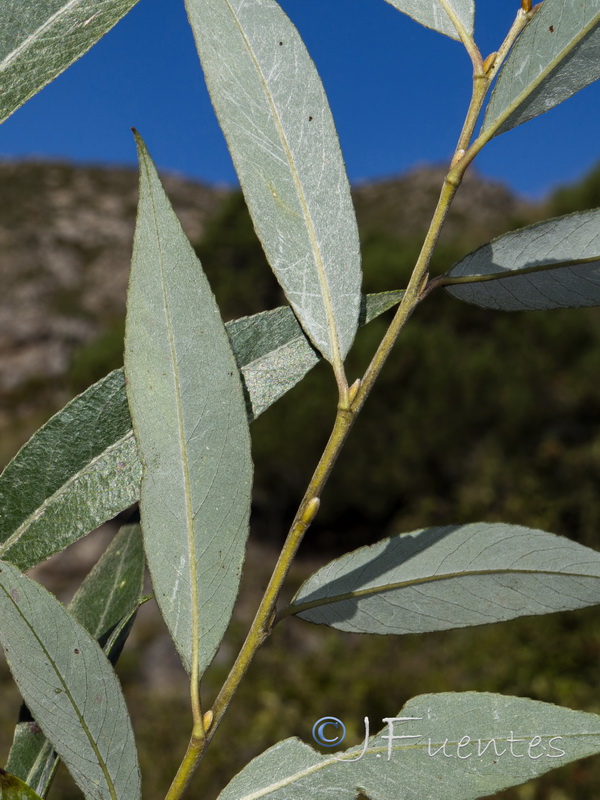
[477, 416]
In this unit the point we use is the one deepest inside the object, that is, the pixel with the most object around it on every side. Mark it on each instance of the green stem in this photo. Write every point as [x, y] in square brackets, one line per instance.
[263, 620]
[306, 513]
[193, 754]
[418, 280]
[464, 36]
[351, 401]
[418, 288]
[517, 27]
[513, 34]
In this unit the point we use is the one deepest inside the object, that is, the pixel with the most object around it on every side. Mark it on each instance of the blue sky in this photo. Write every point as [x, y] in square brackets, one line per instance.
[398, 93]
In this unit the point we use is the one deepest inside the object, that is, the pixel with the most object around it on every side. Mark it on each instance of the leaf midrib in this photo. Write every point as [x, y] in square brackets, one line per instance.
[481, 277]
[80, 717]
[37, 33]
[455, 19]
[522, 97]
[56, 495]
[318, 259]
[195, 621]
[122, 570]
[381, 749]
[389, 587]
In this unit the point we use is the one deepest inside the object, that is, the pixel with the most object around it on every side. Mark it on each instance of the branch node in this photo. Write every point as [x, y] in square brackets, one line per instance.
[353, 391]
[457, 157]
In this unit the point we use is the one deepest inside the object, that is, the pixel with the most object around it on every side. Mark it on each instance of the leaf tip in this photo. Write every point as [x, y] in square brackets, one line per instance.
[139, 143]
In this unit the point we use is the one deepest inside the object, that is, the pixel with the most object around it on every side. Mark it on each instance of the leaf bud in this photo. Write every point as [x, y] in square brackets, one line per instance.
[489, 62]
[310, 512]
[457, 156]
[353, 391]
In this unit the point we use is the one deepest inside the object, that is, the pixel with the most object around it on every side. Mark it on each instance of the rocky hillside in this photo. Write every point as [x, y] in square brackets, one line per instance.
[403, 206]
[496, 419]
[65, 244]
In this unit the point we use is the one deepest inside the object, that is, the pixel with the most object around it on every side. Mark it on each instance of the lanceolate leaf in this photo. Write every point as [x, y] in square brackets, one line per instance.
[557, 55]
[82, 467]
[190, 422]
[112, 590]
[38, 40]
[70, 688]
[450, 577]
[276, 119]
[438, 14]
[32, 758]
[105, 605]
[554, 264]
[76, 472]
[12, 788]
[31, 755]
[439, 747]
